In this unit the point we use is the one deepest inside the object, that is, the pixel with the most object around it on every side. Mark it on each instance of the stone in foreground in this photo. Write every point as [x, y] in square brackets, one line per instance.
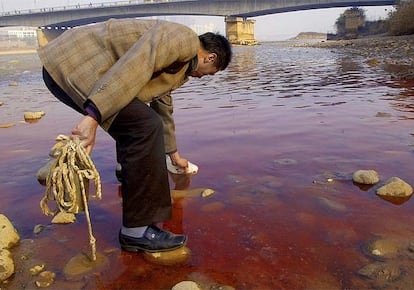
[365, 177]
[395, 187]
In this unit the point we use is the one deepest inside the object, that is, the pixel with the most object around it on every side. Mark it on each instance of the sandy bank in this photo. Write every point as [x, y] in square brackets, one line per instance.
[19, 51]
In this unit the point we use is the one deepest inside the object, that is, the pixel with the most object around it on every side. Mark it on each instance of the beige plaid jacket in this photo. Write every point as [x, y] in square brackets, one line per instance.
[113, 62]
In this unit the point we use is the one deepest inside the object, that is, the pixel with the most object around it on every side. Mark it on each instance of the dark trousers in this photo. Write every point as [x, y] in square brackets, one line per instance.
[138, 133]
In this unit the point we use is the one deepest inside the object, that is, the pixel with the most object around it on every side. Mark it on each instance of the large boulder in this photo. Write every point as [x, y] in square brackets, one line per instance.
[8, 234]
[6, 265]
[8, 238]
[395, 187]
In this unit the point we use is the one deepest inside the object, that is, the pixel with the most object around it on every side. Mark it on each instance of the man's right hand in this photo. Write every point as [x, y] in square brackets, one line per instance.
[85, 130]
[177, 160]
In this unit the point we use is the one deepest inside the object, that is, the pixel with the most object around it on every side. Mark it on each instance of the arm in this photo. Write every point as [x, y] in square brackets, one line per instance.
[85, 130]
[164, 107]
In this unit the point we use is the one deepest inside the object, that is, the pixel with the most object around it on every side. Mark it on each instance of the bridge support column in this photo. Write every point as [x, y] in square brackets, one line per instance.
[240, 31]
[46, 35]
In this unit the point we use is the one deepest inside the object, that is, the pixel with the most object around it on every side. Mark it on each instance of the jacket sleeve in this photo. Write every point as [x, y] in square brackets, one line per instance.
[164, 107]
[160, 46]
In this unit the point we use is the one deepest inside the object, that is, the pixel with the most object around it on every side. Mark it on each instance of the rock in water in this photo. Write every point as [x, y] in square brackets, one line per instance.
[81, 264]
[43, 172]
[395, 187]
[64, 218]
[365, 177]
[6, 125]
[381, 272]
[45, 279]
[33, 115]
[186, 285]
[174, 257]
[6, 265]
[8, 234]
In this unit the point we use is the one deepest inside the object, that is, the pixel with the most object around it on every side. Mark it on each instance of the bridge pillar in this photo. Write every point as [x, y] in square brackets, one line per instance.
[46, 35]
[240, 31]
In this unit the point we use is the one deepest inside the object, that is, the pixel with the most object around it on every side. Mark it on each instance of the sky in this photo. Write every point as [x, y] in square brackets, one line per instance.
[267, 28]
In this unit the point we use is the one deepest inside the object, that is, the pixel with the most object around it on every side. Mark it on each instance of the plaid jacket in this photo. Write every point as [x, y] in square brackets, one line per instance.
[112, 62]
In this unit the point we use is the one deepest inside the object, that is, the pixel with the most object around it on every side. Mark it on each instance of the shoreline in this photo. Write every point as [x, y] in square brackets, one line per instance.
[19, 51]
[393, 54]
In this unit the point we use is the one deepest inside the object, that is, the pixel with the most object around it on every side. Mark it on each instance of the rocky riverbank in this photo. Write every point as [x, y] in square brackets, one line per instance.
[394, 54]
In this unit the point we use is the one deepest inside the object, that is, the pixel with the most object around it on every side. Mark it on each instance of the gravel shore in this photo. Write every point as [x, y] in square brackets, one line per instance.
[394, 54]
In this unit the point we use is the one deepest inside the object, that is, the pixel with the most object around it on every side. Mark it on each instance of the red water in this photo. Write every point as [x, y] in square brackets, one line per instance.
[266, 134]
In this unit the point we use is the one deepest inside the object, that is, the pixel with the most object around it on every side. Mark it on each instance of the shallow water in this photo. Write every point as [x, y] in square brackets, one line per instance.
[266, 134]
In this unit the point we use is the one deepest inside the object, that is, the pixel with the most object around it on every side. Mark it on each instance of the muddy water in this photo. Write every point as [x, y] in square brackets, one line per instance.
[267, 135]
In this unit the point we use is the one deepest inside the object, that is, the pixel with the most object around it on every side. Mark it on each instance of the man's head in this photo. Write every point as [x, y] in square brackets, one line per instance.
[214, 54]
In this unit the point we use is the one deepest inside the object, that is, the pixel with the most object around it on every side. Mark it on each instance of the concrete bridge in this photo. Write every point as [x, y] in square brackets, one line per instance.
[236, 12]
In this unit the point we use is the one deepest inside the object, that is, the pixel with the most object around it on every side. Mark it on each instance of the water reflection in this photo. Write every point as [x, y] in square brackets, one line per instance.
[404, 100]
[262, 132]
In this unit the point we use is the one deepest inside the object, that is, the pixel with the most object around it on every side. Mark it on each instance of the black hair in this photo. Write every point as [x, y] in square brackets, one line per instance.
[218, 44]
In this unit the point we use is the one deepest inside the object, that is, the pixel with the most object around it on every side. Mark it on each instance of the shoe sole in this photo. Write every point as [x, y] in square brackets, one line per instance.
[136, 249]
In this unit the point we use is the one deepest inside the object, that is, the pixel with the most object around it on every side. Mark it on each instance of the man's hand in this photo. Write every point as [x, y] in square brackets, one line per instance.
[177, 160]
[85, 130]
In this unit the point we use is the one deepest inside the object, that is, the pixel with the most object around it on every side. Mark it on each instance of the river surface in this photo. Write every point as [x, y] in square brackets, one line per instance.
[277, 136]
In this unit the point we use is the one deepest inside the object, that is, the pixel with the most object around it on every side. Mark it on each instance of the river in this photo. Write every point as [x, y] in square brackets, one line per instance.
[277, 136]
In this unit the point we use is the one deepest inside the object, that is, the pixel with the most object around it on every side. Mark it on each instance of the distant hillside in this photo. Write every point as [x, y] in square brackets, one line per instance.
[309, 35]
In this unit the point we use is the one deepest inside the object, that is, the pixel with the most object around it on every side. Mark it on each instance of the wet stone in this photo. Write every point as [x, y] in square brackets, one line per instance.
[38, 229]
[179, 256]
[6, 265]
[207, 192]
[33, 116]
[81, 264]
[383, 248]
[383, 115]
[395, 187]
[205, 282]
[381, 272]
[36, 269]
[365, 177]
[186, 285]
[63, 218]
[6, 125]
[203, 192]
[45, 279]
[43, 172]
[8, 234]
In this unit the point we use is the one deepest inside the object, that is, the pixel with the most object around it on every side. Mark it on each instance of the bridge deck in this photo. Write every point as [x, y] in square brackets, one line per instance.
[74, 15]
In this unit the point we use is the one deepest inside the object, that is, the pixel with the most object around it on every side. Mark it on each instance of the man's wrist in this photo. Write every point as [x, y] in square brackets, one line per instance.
[174, 157]
[93, 111]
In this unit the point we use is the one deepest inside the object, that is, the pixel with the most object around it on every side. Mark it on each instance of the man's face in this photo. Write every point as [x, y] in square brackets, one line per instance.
[204, 69]
[205, 65]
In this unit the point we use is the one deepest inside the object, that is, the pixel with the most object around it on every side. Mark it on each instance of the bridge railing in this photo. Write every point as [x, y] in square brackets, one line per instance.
[85, 6]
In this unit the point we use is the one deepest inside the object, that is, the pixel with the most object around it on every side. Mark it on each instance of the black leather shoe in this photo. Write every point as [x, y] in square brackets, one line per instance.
[154, 240]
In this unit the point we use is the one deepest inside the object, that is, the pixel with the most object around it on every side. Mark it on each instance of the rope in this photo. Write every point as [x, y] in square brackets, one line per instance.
[68, 182]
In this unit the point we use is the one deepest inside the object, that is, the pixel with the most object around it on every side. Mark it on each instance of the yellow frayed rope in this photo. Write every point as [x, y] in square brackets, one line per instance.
[67, 182]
